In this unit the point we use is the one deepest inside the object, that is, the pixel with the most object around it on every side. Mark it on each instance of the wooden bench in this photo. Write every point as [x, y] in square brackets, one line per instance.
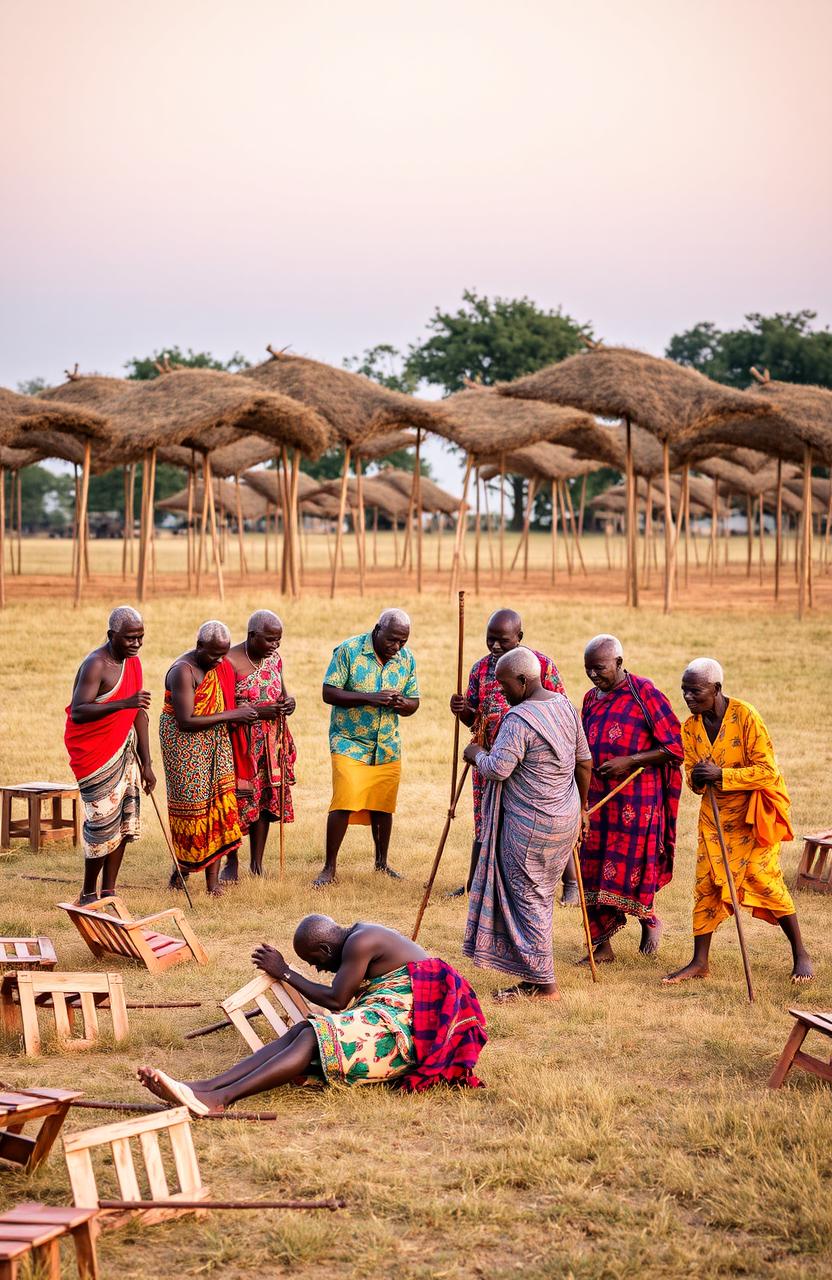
[19, 1108]
[107, 929]
[38, 1229]
[792, 1055]
[116, 1141]
[279, 1004]
[35, 828]
[27, 953]
[815, 870]
[22, 995]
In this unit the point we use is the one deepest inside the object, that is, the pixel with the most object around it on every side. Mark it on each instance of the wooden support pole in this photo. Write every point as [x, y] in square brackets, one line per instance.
[240, 530]
[82, 523]
[686, 513]
[203, 532]
[419, 530]
[19, 524]
[358, 521]
[806, 535]
[583, 506]
[632, 557]
[714, 523]
[749, 544]
[124, 524]
[778, 528]
[567, 546]
[189, 549]
[294, 518]
[761, 553]
[339, 530]
[212, 516]
[2, 537]
[647, 549]
[488, 530]
[574, 525]
[461, 521]
[554, 497]
[502, 515]
[477, 534]
[668, 530]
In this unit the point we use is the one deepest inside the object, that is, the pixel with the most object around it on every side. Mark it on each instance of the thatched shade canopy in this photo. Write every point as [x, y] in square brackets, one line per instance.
[544, 462]
[735, 479]
[376, 493]
[486, 424]
[203, 409]
[21, 414]
[230, 460]
[614, 498]
[380, 446]
[15, 459]
[355, 408]
[51, 444]
[665, 398]
[266, 483]
[225, 495]
[434, 499]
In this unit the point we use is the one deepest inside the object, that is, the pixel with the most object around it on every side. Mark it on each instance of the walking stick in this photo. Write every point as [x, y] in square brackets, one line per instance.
[168, 840]
[442, 841]
[282, 793]
[460, 635]
[732, 889]
[579, 877]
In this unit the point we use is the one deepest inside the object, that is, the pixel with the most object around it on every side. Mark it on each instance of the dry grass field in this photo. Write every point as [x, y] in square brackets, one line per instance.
[626, 1132]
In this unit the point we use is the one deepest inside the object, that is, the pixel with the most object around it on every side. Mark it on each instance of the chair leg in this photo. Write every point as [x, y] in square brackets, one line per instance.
[34, 822]
[797, 1035]
[84, 1240]
[8, 1269]
[76, 822]
[6, 821]
[48, 1258]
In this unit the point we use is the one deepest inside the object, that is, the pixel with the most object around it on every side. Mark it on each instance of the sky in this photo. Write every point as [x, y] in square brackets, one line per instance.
[221, 175]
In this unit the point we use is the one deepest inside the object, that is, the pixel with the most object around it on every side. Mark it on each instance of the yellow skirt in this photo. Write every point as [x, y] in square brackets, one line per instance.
[362, 788]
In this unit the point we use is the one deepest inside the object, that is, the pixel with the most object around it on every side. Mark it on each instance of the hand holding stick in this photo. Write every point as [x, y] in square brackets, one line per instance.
[732, 889]
[282, 758]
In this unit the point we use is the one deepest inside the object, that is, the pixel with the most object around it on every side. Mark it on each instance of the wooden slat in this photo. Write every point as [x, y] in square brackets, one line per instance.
[187, 1168]
[125, 1128]
[128, 1183]
[245, 1029]
[156, 1176]
[271, 1015]
[89, 1015]
[28, 1014]
[62, 1026]
[81, 1174]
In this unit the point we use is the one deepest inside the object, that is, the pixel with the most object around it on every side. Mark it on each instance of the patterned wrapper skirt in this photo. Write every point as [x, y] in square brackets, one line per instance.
[111, 803]
[364, 788]
[372, 1040]
[202, 803]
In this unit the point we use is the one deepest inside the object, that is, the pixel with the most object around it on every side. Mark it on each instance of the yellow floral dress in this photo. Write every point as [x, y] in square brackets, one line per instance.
[372, 1039]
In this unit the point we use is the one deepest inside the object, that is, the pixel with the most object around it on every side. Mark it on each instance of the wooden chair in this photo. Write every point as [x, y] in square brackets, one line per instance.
[279, 1004]
[38, 830]
[116, 1141]
[107, 929]
[792, 1056]
[64, 994]
[39, 1228]
[19, 1108]
[27, 953]
[815, 870]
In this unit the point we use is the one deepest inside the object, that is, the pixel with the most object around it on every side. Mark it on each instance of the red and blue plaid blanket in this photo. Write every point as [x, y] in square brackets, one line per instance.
[448, 1028]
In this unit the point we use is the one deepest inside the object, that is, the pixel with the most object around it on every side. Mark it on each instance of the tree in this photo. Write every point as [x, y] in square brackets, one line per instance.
[33, 386]
[785, 343]
[386, 365]
[142, 368]
[494, 342]
[47, 498]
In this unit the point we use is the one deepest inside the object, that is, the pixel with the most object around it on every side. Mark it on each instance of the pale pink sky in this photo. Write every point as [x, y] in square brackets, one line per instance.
[221, 175]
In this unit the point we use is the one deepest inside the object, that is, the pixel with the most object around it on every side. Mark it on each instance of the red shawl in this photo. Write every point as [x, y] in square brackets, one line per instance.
[448, 1028]
[238, 733]
[91, 745]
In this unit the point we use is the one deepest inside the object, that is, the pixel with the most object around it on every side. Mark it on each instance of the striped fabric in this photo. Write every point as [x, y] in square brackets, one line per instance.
[111, 803]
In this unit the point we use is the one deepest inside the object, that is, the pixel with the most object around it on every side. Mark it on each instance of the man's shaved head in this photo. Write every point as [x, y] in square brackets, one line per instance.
[318, 940]
[503, 632]
[124, 616]
[506, 618]
[261, 619]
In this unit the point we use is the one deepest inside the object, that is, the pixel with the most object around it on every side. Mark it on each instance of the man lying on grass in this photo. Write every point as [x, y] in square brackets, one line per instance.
[393, 1013]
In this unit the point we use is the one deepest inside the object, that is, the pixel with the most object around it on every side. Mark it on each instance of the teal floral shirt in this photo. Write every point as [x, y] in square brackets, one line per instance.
[368, 734]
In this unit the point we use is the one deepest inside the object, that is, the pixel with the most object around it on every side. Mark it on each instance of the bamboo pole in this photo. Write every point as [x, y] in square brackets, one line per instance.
[82, 523]
[732, 889]
[339, 531]
[189, 548]
[477, 534]
[749, 545]
[574, 525]
[554, 499]
[778, 533]
[564, 528]
[212, 516]
[648, 533]
[668, 530]
[632, 559]
[203, 531]
[240, 531]
[460, 526]
[294, 518]
[806, 534]
[19, 525]
[521, 545]
[488, 529]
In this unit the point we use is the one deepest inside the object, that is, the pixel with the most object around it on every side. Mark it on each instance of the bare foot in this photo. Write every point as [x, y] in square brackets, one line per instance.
[603, 954]
[324, 878]
[803, 970]
[692, 970]
[570, 896]
[164, 1086]
[147, 1077]
[527, 991]
[388, 871]
[218, 891]
[455, 893]
[650, 937]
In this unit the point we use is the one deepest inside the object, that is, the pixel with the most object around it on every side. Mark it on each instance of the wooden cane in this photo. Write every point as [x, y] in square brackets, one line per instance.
[282, 832]
[732, 889]
[166, 834]
[442, 842]
[460, 636]
[579, 877]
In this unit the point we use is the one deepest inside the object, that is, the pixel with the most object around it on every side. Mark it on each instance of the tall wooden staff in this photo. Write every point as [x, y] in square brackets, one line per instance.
[166, 834]
[282, 794]
[732, 889]
[460, 636]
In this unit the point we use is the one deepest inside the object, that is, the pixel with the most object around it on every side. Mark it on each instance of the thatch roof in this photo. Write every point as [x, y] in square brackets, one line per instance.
[434, 499]
[486, 424]
[225, 494]
[203, 409]
[355, 408]
[380, 446]
[377, 493]
[21, 414]
[666, 398]
[16, 459]
[51, 444]
[614, 498]
[544, 462]
[230, 460]
[266, 483]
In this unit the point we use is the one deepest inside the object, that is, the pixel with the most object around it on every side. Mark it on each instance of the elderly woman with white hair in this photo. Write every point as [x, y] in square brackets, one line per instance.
[729, 754]
[206, 759]
[369, 683]
[538, 772]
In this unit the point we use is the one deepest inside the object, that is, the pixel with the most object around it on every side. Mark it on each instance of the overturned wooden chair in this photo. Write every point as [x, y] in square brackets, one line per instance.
[815, 869]
[119, 1152]
[27, 953]
[24, 1106]
[24, 995]
[271, 999]
[792, 1056]
[107, 929]
[36, 1230]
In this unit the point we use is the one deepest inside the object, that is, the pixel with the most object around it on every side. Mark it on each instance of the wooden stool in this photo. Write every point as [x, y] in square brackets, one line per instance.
[792, 1056]
[34, 827]
[40, 1227]
[23, 994]
[176, 1123]
[27, 953]
[815, 870]
[17, 1109]
[107, 929]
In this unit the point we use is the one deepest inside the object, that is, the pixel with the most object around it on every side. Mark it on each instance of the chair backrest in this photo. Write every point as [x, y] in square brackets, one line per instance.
[27, 953]
[279, 1004]
[117, 1140]
[42, 990]
[103, 931]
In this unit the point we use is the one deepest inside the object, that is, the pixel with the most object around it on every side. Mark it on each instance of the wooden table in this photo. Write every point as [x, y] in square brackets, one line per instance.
[36, 828]
[18, 1108]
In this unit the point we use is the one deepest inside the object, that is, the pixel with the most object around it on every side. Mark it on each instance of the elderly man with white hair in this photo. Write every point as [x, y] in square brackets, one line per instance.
[106, 726]
[205, 754]
[729, 754]
[628, 854]
[538, 772]
[369, 683]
